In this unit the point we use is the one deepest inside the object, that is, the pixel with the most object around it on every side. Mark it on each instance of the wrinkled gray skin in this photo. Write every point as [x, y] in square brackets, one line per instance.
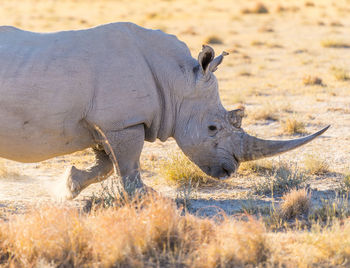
[134, 84]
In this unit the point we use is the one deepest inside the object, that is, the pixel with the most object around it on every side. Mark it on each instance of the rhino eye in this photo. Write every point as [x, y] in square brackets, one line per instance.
[212, 128]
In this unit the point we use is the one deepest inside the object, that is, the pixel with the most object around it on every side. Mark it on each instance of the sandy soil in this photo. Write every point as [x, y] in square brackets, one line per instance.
[270, 55]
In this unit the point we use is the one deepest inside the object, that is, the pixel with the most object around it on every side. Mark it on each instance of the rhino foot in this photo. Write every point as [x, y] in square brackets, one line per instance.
[73, 187]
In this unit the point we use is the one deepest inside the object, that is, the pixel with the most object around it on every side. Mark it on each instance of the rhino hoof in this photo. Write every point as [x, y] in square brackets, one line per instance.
[72, 183]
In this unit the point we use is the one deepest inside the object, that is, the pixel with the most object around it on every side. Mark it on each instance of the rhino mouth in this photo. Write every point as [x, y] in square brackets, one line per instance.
[223, 171]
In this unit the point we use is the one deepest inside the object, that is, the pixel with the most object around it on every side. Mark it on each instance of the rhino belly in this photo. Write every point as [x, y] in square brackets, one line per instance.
[26, 141]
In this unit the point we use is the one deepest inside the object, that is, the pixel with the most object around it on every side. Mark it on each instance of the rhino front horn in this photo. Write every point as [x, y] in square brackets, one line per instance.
[254, 148]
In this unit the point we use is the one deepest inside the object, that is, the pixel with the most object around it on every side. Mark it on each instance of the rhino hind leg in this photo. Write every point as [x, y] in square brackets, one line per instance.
[77, 180]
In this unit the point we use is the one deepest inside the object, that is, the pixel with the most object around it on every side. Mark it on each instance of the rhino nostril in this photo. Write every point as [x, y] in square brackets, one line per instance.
[228, 173]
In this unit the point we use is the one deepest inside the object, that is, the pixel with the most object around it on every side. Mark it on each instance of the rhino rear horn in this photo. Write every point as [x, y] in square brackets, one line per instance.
[254, 148]
[213, 66]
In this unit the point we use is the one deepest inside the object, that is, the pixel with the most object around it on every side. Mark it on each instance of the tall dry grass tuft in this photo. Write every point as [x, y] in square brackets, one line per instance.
[315, 165]
[282, 178]
[150, 232]
[52, 234]
[320, 247]
[292, 126]
[236, 244]
[296, 203]
[5, 172]
[181, 170]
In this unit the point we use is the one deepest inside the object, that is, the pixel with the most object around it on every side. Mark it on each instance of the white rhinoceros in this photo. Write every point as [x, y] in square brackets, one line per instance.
[132, 83]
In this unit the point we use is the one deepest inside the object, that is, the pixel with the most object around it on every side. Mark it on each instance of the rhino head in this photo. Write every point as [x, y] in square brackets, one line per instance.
[211, 136]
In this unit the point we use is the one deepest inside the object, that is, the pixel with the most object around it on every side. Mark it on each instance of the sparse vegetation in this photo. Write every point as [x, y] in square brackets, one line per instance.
[340, 74]
[284, 177]
[258, 9]
[292, 126]
[344, 187]
[261, 167]
[257, 43]
[295, 204]
[213, 40]
[266, 112]
[244, 73]
[153, 233]
[310, 80]
[334, 44]
[180, 170]
[5, 172]
[309, 4]
[331, 211]
[315, 165]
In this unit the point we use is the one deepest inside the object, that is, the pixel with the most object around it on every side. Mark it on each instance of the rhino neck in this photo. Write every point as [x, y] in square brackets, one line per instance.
[166, 115]
[163, 123]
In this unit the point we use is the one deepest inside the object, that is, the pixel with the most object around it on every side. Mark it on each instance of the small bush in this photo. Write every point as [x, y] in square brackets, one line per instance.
[283, 179]
[336, 24]
[181, 170]
[213, 40]
[335, 44]
[344, 187]
[5, 172]
[292, 126]
[244, 73]
[309, 4]
[261, 167]
[340, 74]
[258, 9]
[257, 43]
[266, 112]
[310, 80]
[295, 204]
[330, 211]
[315, 166]
[237, 244]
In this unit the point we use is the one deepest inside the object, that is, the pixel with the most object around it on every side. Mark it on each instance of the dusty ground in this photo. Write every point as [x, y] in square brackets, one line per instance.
[270, 56]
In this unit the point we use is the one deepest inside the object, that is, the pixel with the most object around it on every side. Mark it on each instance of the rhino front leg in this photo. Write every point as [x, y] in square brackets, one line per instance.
[78, 179]
[127, 146]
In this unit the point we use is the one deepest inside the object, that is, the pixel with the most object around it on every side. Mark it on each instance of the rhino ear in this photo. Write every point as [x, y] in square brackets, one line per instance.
[205, 57]
[235, 117]
[213, 66]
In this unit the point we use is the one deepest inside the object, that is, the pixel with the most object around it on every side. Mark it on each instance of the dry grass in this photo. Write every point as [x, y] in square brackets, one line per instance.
[213, 40]
[266, 112]
[281, 179]
[331, 211]
[346, 182]
[320, 247]
[180, 170]
[296, 203]
[261, 167]
[5, 172]
[130, 236]
[257, 43]
[259, 8]
[152, 233]
[292, 126]
[315, 165]
[340, 73]
[310, 80]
